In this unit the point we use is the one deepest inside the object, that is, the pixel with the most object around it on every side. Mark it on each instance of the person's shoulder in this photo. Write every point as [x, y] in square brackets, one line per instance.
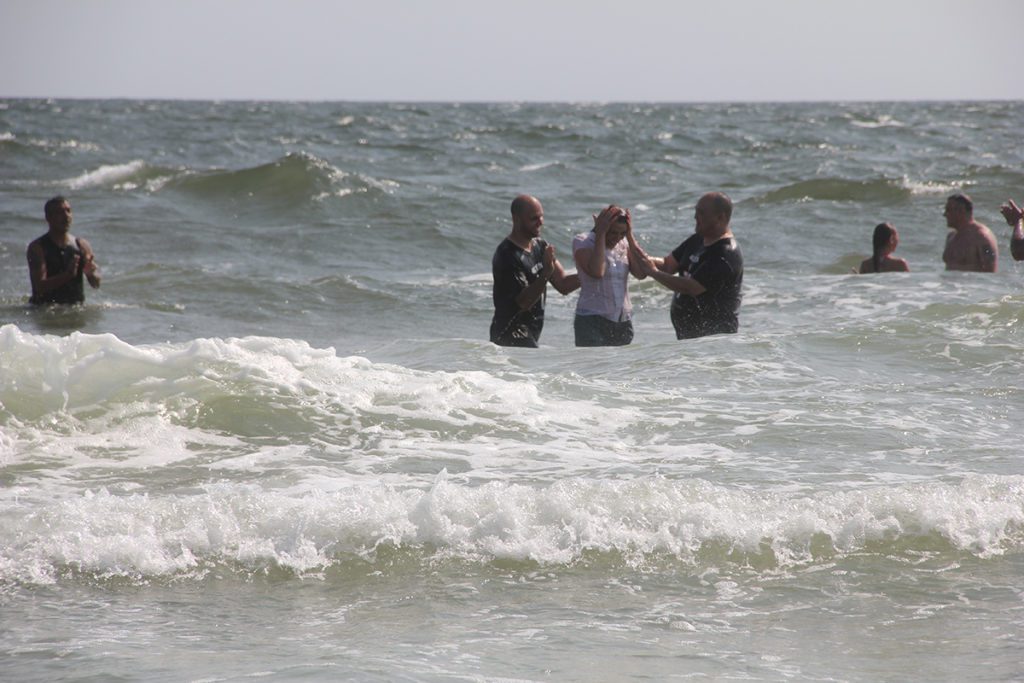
[502, 251]
[505, 245]
[583, 240]
[866, 266]
[36, 244]
[894, 264]
[986, 232]
[727, 248]
[688, 243]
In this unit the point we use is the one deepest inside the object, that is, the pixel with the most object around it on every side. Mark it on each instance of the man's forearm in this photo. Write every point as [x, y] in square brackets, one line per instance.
[533, 291]
[678, 283]
[1017, 241]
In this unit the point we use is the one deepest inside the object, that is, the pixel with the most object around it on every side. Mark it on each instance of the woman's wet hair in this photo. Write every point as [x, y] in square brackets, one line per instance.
[879, 241]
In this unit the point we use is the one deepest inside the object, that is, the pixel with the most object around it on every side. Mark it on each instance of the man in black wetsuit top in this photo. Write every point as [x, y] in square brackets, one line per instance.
[522, 265]
[58, 260]
[705, 272]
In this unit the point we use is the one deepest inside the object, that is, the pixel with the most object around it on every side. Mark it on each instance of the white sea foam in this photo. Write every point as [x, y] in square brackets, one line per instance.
[917, 187]
[883, 121]
[136, 535]
[106, 175]
[538, 166]
[72, 373]
[73, 144]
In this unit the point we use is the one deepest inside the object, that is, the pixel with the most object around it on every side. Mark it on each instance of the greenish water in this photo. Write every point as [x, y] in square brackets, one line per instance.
[277, 442]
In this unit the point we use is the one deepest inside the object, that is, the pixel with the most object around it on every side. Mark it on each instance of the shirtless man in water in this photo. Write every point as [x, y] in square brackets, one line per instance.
[58, 260]
[971, 246]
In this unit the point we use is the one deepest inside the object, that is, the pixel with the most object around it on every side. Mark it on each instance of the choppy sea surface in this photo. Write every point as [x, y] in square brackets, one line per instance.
[277, 444]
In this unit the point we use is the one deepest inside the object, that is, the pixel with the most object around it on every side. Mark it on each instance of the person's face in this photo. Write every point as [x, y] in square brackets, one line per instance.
[615, 233]
[894, 241]
[705, 218]
[60, 217]
[531, 220]
[954, 213]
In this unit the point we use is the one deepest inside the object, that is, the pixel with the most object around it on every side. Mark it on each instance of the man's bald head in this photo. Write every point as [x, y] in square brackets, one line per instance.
[524, 203]
[527, 217]
[719, 204]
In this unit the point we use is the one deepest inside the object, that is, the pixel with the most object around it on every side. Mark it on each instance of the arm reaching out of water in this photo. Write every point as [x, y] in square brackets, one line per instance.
[89, 266]
[637, 256]
[1014, 216]
[565, 283]
[683, 284]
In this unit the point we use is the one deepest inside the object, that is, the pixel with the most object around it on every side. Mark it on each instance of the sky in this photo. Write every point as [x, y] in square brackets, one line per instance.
[527, 50]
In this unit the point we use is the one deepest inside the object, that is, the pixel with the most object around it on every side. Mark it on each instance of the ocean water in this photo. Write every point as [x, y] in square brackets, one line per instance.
[277, 444]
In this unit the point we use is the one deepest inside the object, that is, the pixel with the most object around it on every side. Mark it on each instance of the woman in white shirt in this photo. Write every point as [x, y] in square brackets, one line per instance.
[605, 257]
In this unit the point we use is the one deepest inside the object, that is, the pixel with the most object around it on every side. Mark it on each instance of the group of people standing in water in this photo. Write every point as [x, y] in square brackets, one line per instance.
[705, 272]
[970, 246]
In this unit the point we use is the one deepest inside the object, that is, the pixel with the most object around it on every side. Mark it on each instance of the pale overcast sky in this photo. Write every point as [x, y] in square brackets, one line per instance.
[546, 50]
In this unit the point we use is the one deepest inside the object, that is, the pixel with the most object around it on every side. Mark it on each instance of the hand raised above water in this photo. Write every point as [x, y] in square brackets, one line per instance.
[1012, 213]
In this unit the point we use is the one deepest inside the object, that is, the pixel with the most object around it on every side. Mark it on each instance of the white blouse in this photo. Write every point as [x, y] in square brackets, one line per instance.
[606, 296]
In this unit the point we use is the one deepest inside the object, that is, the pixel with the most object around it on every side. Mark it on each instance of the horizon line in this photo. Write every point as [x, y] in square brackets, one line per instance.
[924, 100]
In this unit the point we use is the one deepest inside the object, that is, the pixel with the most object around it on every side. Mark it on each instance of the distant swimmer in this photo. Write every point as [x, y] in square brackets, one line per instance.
[970, 246]
[522, 266]
[605, 258]
[1014, 216]
[884, 241]
[708, 286]
[58, 260]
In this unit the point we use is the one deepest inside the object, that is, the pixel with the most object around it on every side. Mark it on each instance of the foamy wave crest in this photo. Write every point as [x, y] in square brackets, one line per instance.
[883, 121]
[107, 175]
[932, 187]
[211, 402]
[540, 166]
[43, 374]
[255, 530]
[287, 384]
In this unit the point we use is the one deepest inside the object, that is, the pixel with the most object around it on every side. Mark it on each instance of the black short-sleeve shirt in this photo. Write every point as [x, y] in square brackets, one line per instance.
[514, 269]
[718, 268]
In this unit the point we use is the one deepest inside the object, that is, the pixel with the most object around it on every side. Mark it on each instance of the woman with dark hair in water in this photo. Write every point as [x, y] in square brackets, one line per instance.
[883, 242]
[604, 260]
